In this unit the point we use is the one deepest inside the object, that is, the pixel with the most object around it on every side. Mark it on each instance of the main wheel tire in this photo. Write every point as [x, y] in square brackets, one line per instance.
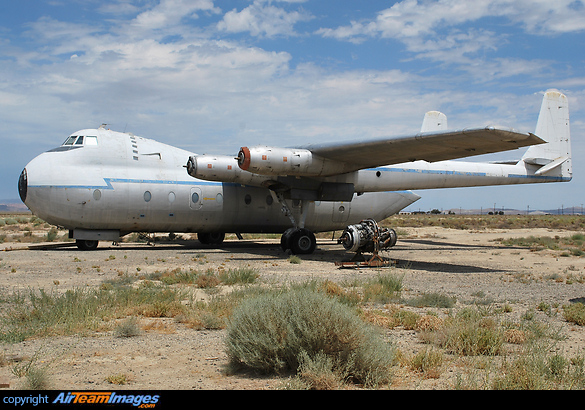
[285, 239]
[303, 242]
[86, 245]
[211, 238]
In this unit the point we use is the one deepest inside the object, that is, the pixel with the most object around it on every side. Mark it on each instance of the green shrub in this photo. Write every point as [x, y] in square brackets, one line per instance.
[37, 378]
[427, 361]
[469, 333]
[433, 300]
[575, 313]
[240, 275]
[40, 313]
[294, 259]
[52, 235]
[383, 288]
[276, 332]
[318, 372]
[535, 370]
[127, 328]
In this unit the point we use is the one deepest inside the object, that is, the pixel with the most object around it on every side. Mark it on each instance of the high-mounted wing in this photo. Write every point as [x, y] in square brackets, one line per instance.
[430, 147]
[338, 158]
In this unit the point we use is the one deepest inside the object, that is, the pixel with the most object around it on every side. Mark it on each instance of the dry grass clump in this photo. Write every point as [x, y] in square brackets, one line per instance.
[428, 362]
[298, 328]
[468, 333]
[535, 370]
[127, 328]
[571, 245]
[429, 323]
[119, 379]
[39, 313]
[207, 279]
[37, 378]
[515, 336]
[383, 289]
[575, 313]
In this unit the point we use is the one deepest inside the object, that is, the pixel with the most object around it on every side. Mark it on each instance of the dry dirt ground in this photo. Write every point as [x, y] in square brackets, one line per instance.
[465, 264]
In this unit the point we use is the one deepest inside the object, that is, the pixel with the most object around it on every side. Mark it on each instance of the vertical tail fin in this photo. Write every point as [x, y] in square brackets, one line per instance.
[554, 157]
[434, 121]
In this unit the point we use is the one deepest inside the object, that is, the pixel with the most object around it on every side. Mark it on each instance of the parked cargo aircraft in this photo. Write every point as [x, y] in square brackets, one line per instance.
[102, 184]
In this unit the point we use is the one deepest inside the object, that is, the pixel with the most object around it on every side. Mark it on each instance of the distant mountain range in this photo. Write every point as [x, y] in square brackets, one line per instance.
[12, 205]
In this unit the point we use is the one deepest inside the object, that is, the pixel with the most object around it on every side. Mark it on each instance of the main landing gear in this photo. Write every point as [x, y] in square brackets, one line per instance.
[298, 239]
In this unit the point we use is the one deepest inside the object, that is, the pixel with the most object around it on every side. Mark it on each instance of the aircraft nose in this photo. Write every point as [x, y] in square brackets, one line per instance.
[23, 185]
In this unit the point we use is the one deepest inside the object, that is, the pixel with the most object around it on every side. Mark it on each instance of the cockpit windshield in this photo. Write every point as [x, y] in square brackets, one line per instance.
[81, 140]
[70, 140]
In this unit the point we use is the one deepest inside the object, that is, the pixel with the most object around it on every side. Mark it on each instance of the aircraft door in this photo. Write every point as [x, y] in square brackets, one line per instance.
[195, 199]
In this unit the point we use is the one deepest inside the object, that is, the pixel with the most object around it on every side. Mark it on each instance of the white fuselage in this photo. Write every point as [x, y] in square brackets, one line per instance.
[121, 183]
[131, 184]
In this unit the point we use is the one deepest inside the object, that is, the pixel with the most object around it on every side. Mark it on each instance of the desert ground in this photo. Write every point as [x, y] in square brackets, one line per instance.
[472, 266]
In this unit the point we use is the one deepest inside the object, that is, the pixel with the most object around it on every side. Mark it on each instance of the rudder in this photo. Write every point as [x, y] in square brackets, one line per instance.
[554, 157]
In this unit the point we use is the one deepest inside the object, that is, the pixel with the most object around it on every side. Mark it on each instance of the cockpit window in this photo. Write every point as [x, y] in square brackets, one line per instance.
[70, 140]
[90, 140]
[81, 140]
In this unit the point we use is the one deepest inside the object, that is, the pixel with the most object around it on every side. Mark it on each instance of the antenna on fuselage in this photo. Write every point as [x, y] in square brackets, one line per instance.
[103, 126]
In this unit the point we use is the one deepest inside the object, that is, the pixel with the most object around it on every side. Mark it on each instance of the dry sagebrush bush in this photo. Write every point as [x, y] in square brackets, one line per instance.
[272, 332]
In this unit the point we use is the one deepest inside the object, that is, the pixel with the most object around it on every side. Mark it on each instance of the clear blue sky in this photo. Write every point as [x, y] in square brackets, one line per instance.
[211, 76]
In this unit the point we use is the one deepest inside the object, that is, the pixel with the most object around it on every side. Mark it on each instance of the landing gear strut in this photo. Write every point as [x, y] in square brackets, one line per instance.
[298, 239]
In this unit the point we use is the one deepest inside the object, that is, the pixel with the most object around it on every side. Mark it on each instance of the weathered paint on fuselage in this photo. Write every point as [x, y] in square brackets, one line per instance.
[132, 184]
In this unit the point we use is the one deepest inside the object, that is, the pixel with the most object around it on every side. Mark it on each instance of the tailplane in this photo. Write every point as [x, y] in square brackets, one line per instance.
[554, 157]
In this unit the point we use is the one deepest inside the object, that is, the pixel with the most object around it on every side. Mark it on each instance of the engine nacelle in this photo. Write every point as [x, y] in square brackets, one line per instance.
[222, 168]
[367, 236]
[277, 161]
[213, 167]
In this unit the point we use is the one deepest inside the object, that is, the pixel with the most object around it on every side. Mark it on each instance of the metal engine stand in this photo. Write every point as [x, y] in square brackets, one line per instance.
[367, 236]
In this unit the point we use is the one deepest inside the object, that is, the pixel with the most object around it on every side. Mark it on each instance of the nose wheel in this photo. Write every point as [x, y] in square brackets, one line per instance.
[300, 241]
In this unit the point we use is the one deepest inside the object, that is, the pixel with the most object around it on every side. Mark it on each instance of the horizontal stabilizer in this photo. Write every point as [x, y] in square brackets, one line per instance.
[552, 165]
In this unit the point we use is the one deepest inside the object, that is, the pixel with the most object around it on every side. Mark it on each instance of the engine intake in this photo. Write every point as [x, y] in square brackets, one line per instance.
[212, 167]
